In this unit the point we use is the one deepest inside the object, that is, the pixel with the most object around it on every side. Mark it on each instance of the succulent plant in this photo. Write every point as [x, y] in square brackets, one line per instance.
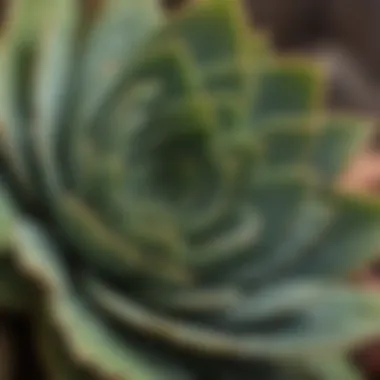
[169, 199]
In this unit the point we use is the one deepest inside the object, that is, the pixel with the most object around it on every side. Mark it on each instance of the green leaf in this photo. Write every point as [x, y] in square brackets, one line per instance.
[283, 89]
[91, 345]
[340, 139]
[351, 242]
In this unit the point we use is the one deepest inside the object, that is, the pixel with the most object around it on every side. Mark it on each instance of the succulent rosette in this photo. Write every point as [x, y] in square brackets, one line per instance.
[192, 227]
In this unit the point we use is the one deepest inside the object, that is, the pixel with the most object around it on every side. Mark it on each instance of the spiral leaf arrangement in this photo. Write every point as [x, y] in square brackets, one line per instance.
[194, 227]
